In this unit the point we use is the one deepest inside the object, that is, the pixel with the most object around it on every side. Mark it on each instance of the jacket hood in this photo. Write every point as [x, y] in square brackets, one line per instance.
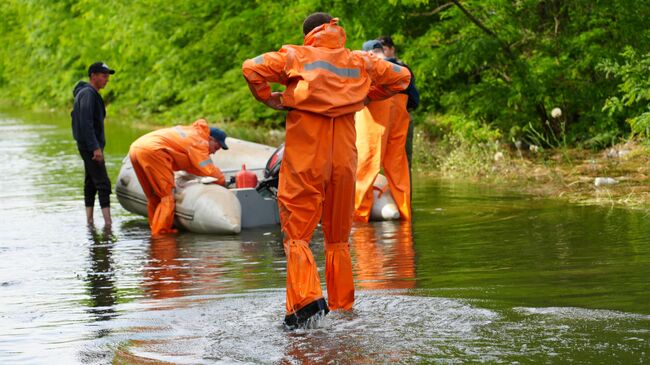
[79, 86]
[327, 35]
[202, 128]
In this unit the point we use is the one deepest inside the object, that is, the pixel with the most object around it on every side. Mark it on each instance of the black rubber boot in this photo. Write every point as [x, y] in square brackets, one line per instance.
[302, 316]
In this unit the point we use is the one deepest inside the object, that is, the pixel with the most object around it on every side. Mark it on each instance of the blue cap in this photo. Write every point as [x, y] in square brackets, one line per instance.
[220, 136]
[371, 44]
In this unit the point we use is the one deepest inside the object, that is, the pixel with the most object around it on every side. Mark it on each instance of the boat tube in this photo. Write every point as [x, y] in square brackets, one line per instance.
[204, 207]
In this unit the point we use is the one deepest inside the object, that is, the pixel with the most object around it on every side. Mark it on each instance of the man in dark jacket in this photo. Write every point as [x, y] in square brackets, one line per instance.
[88, 130]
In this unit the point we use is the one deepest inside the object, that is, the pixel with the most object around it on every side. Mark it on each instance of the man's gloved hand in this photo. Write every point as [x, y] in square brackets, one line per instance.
[231, 181]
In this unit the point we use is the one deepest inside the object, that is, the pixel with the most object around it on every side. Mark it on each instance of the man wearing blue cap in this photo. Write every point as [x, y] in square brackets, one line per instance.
[390, 53]
[156, 155]
[382, 128]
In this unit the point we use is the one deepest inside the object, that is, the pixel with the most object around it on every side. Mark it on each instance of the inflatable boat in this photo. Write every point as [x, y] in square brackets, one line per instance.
[204, 207]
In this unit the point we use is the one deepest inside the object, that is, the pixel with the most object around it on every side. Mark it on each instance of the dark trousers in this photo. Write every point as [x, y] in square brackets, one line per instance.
[409, 144]
[96, 181]
[409, 153]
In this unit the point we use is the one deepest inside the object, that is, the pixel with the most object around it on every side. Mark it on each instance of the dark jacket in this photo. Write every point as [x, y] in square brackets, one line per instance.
[411, 90]
[88, 117]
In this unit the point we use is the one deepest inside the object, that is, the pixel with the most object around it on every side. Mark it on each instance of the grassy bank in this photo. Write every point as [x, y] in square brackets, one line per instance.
[616, 176]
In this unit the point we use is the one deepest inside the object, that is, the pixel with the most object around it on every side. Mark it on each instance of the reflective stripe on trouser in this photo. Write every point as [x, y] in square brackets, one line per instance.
[156, 176]
[317, 184]
[382, 128]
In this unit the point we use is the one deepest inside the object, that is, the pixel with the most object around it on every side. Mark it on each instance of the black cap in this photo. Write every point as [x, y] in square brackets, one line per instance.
[100, 67]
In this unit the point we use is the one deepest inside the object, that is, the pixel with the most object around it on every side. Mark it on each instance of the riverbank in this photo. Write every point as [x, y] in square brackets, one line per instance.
[616, 176]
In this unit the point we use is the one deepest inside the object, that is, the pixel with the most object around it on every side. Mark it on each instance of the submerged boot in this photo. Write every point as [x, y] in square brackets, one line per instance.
[304, 294]
[307, 317]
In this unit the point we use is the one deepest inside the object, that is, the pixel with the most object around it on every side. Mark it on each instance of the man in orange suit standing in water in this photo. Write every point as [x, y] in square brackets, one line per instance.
[326, 84]
[382, 128]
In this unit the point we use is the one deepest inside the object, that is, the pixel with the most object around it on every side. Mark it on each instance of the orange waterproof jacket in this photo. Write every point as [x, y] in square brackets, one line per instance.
[323, 76]
[188, 147]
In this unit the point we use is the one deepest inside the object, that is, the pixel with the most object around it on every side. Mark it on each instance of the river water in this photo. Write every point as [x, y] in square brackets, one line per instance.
[482, 276]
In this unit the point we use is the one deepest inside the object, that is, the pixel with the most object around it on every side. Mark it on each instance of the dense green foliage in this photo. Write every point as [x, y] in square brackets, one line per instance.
[635, 90]
[486, 69]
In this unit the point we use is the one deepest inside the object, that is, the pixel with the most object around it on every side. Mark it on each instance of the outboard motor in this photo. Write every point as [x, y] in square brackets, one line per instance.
[268, 186]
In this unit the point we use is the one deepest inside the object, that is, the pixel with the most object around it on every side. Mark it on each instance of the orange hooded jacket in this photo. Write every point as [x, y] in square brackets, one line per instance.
[323, 76]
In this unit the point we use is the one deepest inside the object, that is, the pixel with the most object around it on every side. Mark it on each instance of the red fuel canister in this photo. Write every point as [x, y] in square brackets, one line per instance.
[245, 178]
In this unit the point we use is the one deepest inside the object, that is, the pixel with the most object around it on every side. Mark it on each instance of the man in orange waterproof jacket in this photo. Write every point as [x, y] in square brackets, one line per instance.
[156, 155]
[382, 128]
[325, 85]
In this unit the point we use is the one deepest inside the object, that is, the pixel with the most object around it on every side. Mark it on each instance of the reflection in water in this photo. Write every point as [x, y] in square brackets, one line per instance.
[384, 255]
[163, 275]
[101, 276]
[500, 278]
[100, 282]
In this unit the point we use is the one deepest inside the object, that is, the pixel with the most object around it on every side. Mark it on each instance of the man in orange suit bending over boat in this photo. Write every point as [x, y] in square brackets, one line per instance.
[156, 155]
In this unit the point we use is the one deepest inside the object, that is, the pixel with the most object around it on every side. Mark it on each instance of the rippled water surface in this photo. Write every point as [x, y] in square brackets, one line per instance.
[482, 276]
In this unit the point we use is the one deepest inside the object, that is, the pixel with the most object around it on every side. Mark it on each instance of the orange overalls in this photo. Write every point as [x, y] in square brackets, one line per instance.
[381, 136]
[325, 85]
[156, 155]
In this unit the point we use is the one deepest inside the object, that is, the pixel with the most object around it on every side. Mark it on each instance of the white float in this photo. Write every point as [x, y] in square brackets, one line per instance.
[383, 205]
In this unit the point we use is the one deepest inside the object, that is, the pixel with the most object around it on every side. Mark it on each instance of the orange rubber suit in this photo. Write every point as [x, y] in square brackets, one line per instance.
[381, 136]
[325, 85]
[156, 155]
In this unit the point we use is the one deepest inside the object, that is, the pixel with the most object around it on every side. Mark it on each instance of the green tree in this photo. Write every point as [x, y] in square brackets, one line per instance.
[490, 67]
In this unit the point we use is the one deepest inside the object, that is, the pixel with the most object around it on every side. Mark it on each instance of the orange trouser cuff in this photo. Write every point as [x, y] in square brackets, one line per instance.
[338, 274]
[303, 283]
[163, 217]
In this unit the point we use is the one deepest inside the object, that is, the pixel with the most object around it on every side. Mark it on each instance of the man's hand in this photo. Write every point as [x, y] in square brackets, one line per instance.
[98, 155]
[275, 101]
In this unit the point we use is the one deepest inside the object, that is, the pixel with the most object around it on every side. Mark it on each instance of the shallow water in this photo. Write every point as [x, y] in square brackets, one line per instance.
[482, 276]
